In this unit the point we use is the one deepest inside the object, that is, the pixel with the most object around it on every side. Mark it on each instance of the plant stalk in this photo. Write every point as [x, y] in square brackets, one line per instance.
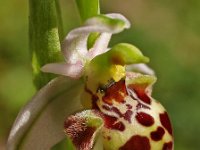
[88, 8]
[43, 38]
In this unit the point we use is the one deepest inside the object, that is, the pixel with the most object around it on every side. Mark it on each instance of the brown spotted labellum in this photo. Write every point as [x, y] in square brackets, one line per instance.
[111, 91]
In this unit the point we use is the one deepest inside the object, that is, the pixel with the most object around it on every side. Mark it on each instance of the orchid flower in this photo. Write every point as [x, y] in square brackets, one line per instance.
[101, 101]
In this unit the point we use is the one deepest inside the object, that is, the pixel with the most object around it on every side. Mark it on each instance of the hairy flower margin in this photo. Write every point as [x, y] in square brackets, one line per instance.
[110, 90]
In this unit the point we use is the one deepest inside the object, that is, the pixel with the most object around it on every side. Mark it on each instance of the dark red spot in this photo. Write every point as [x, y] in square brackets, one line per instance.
[106, 108]
[158, 134]
[113, 109]
[127, 115]
[112, 123]
[144, 119]
[137, 143]
[164, 119]
[115, 92]
[129, 106]
[108, 138]
[168, 146]
[140, 105]
[141, 93]
[116, 110]
[80, 134]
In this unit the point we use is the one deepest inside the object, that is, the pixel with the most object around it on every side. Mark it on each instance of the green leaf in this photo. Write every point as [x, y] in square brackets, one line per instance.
[40, 123]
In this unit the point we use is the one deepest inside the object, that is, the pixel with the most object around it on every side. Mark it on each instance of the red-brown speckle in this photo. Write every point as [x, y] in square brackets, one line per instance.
[129, 106]
[79, 133]
[127, 115]
[164, 119]
[168, 146]
[140, 105]
[141, 93]
[113, 123]
[116, 92]
[83, 141]
[113, 109]
[158, 134]
[137, 142]
[145, 119]
[117, 111]
[106, 108]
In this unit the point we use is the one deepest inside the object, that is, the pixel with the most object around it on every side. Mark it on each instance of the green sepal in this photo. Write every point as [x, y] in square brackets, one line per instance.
[126, 54]
[120, 54]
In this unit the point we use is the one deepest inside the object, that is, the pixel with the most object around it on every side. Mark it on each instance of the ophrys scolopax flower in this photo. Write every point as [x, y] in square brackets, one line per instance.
[111, 89]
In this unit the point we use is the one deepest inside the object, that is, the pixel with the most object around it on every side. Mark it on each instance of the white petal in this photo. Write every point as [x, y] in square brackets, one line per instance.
[74, 47]
[141, 68]
[70, 70]
[39, 124]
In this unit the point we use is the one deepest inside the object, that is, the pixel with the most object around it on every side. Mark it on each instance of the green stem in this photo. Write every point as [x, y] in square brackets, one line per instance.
[43, 38]
[88, 8]
[60, 22]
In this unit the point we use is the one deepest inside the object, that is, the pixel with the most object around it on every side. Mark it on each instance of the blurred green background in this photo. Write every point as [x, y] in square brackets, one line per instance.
[166, 31]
